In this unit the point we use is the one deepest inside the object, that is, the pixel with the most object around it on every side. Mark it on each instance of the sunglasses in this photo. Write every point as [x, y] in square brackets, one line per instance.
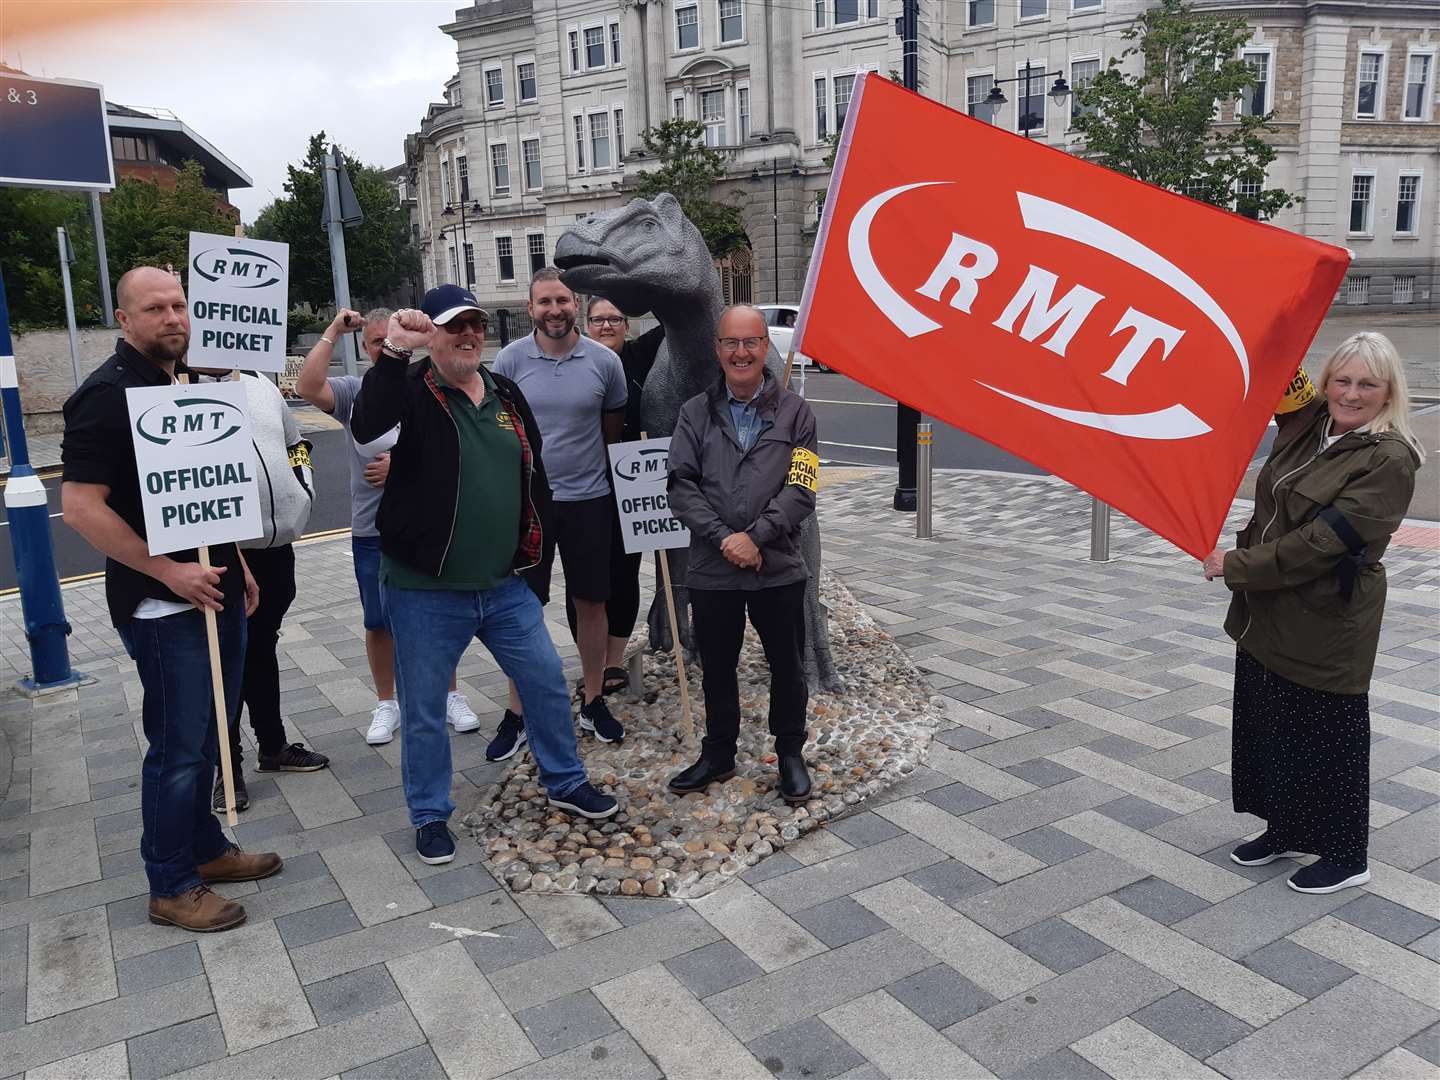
[460, 324]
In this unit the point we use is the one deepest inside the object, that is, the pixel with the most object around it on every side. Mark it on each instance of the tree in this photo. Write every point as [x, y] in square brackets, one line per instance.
[30, 257]
[379, 253]
[150, 225]
[689, 170]
[1171, 124]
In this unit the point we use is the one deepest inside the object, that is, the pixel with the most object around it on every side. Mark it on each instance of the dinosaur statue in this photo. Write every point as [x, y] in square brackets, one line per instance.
[649, 257]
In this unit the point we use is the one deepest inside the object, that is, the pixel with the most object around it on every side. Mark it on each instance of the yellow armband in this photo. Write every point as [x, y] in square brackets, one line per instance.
[1299, 393]
[804, 469]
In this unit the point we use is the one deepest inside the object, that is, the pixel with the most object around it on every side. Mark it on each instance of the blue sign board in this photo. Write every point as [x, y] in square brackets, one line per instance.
[54, 133]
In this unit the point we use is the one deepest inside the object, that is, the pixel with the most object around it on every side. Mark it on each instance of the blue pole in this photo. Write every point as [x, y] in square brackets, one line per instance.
[27, 511]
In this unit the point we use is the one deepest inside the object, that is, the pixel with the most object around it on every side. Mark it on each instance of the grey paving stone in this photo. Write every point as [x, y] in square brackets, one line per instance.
[840, 922]
[1410, 842]
[1430, 871]
[1038, 896]
[149, 970]
[809, 1049]
[1391, 921]
[351, 994]
[71, 964]
[958, 798]
[1136, 812]
[516, 943]
[260, 835]
[1061, 1065]
[861, 830]
[1050, 845]
[1400, 795]
[1267, 912]
[770, 867]
[849, 873]
[419, 1063]
[613, 1057]
[1426, 1044]
[1042, 772]
[375, 802]
[940, 996]
[1303, 1042]
[962, 738]
[566, 1022]
[1058, 945]
[316, 924]
[1043, 806]
[173, 1049]
[1161, 901]
[950, 880]
[1192, 1023]
[1185, 724]
[297, 868]
[1208, 782]
[456, 885]
[1294, 966]
[632, 910]
[1120, 748]
[714, 968]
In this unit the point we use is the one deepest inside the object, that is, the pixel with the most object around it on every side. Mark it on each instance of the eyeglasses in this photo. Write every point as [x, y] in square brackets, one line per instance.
[459, 325]
[606, 320]
[730, 344]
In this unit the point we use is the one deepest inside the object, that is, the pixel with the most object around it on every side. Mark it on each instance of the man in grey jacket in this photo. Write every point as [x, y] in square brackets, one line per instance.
[743, 475]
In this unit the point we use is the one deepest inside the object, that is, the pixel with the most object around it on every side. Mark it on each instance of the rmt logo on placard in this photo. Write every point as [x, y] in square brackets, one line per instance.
[189, 423]
[237, 267]
[643, 464]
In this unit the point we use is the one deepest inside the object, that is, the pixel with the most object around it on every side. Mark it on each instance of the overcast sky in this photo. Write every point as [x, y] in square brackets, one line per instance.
[254, 78]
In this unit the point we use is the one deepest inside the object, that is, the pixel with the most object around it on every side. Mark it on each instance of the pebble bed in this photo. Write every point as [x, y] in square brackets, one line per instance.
[662, 844]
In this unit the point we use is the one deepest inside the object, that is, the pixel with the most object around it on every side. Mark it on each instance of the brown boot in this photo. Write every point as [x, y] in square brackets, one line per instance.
[199, 909]
[237, 865]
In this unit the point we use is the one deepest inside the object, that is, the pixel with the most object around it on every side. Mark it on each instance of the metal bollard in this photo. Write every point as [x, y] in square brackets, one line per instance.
[1099, 531]
[924, 488]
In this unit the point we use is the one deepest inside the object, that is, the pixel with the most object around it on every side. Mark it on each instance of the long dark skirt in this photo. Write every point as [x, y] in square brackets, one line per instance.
[1301, 760]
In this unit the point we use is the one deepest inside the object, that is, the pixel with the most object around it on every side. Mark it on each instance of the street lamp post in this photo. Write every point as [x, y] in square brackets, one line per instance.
[755, 178]
[1030, 74]
[449, 211]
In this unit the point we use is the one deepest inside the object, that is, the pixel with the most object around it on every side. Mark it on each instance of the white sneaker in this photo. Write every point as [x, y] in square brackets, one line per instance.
[459, 715]
[383, 723]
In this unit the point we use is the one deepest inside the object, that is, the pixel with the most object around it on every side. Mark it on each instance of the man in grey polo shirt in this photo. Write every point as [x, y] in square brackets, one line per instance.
[576, 387]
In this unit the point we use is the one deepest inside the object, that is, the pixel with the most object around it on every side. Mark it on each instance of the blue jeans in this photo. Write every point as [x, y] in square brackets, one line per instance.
[178, 829]
[366, 550]
[432, 627]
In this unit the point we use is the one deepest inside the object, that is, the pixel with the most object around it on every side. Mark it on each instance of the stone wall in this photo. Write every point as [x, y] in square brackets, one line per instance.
[47, 377]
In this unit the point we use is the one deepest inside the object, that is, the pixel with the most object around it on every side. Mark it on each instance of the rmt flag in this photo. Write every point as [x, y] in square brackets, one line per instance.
[1130, 340]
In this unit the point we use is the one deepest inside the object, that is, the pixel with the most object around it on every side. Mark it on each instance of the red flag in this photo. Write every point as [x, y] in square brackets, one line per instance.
[1130, 340]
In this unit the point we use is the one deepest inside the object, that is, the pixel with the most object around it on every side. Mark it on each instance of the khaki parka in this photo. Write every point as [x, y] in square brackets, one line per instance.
[1298, 608]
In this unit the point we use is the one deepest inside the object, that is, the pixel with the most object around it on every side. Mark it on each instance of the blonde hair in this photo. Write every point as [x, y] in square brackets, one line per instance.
[1381, 360]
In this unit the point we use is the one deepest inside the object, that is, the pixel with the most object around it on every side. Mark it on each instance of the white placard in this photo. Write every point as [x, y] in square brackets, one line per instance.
[640, 470]
[197, 465]
[239, 302]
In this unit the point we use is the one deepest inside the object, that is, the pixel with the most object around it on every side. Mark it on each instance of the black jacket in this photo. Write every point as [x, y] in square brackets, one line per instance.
[417, 511]
[637, 357]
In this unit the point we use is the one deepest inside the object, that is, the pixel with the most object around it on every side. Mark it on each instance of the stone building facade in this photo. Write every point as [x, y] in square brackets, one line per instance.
[541, 124]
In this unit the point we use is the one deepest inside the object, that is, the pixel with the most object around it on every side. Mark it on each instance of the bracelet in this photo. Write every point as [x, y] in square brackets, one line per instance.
[328, 341]
[396, 350]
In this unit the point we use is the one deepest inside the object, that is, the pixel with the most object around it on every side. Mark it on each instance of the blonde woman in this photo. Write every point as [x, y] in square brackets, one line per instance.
[1309, 593]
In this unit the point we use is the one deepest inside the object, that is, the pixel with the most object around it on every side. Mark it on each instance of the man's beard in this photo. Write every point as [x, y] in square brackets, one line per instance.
[546, 328]
[168, 348]
[459, 368]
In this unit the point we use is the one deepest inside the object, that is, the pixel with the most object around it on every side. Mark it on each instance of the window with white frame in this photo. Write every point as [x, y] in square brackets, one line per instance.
[822, 109]
[530, 156]
[712, 115]
[500, 168]
[454, 262]
[462, 178]
[574, 37]
[1086, 5]
[732, 21]
[599, 141]
[1357, 290]
[445, 185]
[1407, 204]
[844, 87]
[614, 44]
[687, 27]
[1034, 9]
[1369, 78]
[469, 266]
[619, 115]
[535, 247]
[594, 47]
[494, 87]
[1082, 74]
[980, 13]
[1255, 98]
[846, 12]
[1362, 192]
[677, 107]
[1030, 100]
[1247, 196]
[1402, 289]
[579, 125]
[977, 89]
[742, 106]
[504, 258]
[525, 76]
[1417, 85]
[820, 9]
[872, 9]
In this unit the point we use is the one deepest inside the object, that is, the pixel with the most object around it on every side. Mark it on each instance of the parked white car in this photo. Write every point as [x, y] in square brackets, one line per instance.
[780, 318]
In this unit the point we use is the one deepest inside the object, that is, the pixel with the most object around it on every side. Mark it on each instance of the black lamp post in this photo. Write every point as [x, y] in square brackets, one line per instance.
[449, 212]
[755, 178]
[1029, 74]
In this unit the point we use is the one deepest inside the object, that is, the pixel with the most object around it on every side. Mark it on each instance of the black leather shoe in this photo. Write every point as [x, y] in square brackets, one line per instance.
[700, 776]
[794, 779]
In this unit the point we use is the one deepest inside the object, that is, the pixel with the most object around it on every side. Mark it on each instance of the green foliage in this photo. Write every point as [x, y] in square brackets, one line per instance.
[1174, 123]
[689, 170]
[30, 257]
[378, 253]
[150, 225]
[301, 321]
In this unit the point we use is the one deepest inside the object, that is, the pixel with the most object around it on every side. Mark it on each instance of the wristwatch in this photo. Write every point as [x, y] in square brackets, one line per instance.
[395, 350]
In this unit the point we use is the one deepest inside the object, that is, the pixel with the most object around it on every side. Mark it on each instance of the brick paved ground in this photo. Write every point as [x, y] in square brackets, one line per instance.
[1051, 896]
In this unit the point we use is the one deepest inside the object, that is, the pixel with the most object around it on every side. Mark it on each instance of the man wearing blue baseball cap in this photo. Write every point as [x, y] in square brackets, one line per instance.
[461, 516]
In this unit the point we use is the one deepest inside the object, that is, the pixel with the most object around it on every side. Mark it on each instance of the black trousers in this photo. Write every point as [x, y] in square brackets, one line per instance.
[778, 616]
[274, 572]
[623, 607]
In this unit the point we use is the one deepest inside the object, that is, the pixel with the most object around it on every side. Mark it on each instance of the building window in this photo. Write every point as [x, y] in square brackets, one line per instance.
[977, 89]
[599, 141]
[1362, 187]
[535, 245]
[980, 13]
[579, 122]
[732, 21]
[1085, 5]
[574, 50]
[615, 44]
[462, 177]
[454, 263]
[1255, 98]
[445, 185]
[1030, 100]
[820, 14]
[822, 111]
[844, 85]
[505, 258]
[712, 115]
[846, 12]
[594, 47]
[872, 9]
[525, 73]
[500, 168]
[619, 135]
[677, 107]
[1407, 201]
[687, 28]
[1247, 197]
[530, 154]
[1417, 85]
[742, 104]
[1357, 290]
[1403, 289]
[133, 148]
[1033, 9]
[1367, 85]
[457, 96]
[494, 87]
[469, 266]
[1082, 74]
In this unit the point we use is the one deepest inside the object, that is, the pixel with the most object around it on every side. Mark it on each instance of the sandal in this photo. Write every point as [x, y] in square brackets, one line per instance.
[614, 680]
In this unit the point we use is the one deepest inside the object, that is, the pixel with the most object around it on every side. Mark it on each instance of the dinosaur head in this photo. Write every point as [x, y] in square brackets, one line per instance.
[638, 256]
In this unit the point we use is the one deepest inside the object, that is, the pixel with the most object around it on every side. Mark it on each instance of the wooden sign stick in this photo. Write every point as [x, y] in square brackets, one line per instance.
[687, 720]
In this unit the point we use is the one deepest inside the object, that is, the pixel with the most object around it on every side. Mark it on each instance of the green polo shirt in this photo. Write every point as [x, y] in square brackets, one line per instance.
[487, 515]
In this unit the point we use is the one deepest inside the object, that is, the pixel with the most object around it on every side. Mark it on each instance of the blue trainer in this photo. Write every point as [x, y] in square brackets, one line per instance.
[434, 844]
[587, 802]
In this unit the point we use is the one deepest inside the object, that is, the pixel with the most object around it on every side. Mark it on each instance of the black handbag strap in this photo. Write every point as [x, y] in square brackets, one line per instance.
[1349, 567]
